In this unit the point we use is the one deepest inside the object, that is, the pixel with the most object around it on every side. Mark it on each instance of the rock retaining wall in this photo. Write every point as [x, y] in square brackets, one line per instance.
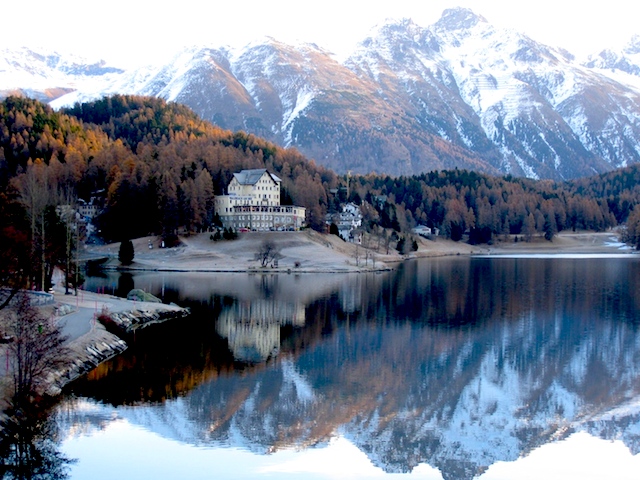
[84, 355]
[103, 343]
[129, 322]
[36, 299]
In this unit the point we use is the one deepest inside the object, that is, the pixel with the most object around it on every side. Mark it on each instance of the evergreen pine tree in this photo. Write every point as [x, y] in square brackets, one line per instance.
[126, 253]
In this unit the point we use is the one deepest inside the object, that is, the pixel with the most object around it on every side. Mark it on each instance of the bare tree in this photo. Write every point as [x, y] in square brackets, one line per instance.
[36, 350]
[364, 241]
[387, 241]
[267, 253]
[529, 227]
[35, 194]
[378, 236]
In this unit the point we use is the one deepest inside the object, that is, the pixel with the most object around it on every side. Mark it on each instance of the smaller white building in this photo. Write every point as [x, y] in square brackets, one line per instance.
[88, 210]
[425, 231]
[253, 203]
[348, 222]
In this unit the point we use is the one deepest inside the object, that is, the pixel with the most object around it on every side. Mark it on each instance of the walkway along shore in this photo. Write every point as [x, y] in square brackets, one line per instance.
[89, 341]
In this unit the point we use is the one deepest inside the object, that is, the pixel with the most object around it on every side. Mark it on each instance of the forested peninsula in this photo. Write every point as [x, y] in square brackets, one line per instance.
[155, 168]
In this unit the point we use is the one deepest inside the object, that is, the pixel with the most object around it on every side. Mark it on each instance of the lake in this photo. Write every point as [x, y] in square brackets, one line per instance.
[454, 368]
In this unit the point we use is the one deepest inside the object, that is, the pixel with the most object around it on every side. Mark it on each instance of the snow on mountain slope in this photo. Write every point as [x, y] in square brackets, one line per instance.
[25, 68]
[410, 99]
[531, 102]
[627, 61]
[48, 75]
[281, 80]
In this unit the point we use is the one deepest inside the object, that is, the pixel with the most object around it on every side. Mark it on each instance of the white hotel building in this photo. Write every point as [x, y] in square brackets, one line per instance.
[253, 203]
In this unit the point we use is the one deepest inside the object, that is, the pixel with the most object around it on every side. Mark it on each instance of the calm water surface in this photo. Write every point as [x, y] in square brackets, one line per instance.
[459, 368]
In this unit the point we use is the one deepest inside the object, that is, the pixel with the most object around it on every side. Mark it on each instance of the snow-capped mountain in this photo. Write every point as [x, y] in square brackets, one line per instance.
[409, 99]
[523, 107]
[48, 75]
[626, 61]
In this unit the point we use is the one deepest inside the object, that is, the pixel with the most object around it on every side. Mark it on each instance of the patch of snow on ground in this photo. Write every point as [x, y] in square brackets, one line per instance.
[628, 409]
[614, 242]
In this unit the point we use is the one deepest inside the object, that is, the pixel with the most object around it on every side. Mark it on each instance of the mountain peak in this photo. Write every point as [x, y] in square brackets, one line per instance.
[459, 19]
[392, 28]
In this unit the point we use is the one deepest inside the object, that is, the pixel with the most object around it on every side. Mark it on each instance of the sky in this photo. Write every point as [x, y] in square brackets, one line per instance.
[138, 32]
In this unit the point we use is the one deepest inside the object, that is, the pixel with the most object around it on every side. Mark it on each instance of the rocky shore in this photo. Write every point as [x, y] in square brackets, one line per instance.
[90, 342]
[99, 327]
[127, 323]
[85, 354]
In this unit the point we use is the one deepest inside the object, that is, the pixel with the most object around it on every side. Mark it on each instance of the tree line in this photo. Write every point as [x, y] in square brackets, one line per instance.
[459, 202]
[155, 168]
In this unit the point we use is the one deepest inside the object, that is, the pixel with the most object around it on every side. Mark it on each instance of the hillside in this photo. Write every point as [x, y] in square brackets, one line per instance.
[460, 93]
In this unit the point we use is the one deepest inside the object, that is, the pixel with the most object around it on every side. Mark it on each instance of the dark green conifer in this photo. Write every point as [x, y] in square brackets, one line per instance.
[126, 253]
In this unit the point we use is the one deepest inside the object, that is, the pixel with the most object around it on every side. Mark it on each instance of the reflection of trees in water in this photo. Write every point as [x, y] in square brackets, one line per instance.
[472, 361]
[470, 291]
[125, 284]
[458, 363]
[459, 399]
[29, 447]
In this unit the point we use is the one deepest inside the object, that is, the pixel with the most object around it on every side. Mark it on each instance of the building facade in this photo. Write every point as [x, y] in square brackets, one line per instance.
[349, 223]
[253, 203]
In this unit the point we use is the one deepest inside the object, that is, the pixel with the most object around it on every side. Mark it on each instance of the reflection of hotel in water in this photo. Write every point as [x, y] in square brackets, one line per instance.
[252, 328]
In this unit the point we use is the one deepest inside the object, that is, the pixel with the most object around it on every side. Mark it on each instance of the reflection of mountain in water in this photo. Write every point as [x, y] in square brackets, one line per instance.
[456, 363]
[252, 328]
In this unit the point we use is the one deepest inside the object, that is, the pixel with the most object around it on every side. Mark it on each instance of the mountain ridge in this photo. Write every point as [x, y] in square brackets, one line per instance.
[460, 93]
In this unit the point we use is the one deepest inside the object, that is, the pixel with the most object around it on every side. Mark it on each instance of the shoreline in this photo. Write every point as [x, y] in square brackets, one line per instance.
[310, 252]
[301, 253]
[89, 342]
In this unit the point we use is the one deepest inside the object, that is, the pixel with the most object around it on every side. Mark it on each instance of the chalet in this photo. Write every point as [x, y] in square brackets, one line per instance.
[349, 222]
[253, 203]
[425, 231]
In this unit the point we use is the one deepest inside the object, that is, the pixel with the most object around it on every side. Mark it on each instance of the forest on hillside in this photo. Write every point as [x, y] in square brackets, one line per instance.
[155, 168]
